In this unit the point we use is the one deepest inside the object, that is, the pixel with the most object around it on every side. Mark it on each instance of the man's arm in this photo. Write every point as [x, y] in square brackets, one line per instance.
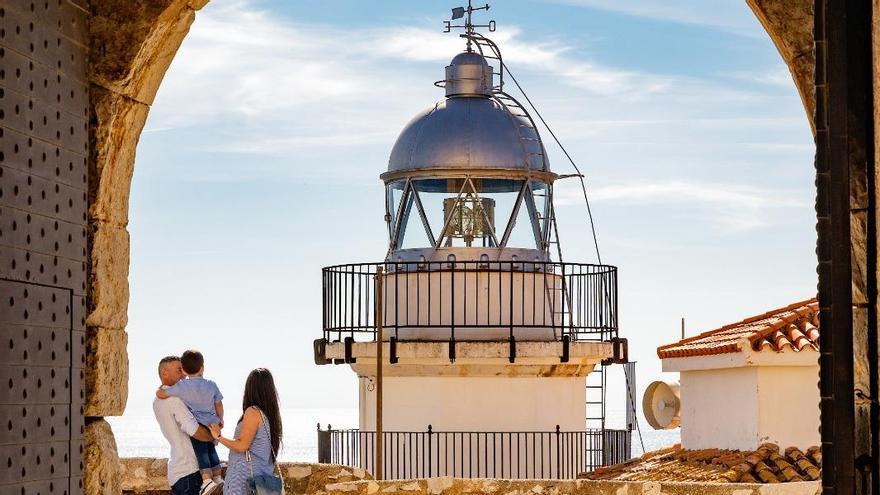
[166, 392]
[188, 424]
[203, 434]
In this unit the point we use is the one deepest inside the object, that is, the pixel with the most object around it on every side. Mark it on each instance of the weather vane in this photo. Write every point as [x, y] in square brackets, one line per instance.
[468, 26]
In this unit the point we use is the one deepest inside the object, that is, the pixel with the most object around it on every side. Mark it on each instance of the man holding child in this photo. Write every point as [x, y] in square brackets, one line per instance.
[180, 407]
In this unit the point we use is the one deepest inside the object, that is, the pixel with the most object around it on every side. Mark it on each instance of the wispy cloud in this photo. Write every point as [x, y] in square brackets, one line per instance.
[267, 86]
[733, 207]
[728, 16]
[777, 76]
[278, 75]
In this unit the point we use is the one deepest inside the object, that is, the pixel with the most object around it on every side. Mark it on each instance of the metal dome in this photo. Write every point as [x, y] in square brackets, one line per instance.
[471, 130]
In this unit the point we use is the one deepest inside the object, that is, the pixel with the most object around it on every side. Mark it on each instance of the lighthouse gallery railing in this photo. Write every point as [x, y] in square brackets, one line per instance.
[463, 454]
[525, 298]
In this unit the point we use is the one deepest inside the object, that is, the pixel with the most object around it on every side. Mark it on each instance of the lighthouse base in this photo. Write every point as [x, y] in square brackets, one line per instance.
[482, 389]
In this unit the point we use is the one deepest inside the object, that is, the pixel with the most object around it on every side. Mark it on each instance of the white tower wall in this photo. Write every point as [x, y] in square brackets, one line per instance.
[475, 403]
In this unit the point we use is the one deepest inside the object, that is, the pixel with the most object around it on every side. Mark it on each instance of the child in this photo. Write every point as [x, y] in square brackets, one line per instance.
[204, 399]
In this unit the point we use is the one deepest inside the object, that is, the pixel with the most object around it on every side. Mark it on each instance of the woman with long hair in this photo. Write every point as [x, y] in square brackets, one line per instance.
[258, 433]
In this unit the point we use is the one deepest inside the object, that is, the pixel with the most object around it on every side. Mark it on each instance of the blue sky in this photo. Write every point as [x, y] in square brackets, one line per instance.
[260, 160]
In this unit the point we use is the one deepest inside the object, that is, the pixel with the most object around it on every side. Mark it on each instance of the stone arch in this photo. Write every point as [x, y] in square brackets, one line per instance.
[132, 43]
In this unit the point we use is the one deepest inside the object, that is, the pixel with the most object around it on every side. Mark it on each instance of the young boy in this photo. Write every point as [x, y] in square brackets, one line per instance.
[205, 401]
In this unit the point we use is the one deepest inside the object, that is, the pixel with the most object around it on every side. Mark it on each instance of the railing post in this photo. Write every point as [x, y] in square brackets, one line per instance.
[430, 434]
[324, 451]
[379, 475]
[558, 453]
[510, 303]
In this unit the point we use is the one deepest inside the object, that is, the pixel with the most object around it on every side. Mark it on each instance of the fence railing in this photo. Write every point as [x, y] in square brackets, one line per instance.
[505, 455]
[472, 299]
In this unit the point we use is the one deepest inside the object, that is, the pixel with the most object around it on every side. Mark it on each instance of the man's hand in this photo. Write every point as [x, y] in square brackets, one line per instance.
[202, 434]
[215, 431]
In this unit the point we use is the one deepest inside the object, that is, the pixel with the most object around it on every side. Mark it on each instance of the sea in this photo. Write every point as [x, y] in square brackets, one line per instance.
[138, 435]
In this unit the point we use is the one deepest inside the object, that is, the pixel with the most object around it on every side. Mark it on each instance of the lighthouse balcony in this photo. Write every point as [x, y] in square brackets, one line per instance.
[541, 312]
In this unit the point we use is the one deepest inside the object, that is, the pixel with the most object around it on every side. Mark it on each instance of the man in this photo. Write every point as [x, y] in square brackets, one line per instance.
[178, 425]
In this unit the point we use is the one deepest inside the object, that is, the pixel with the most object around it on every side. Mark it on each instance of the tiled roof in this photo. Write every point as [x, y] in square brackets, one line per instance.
[765, 465]
[794, 327]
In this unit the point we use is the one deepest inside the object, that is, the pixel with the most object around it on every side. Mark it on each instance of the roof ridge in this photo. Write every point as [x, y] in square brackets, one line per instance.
[799, 312]
[800, 309]
[751, 319]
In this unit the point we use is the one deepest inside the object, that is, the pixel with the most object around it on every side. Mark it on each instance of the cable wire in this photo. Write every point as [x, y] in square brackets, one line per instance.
[570, 159]
[580, 175]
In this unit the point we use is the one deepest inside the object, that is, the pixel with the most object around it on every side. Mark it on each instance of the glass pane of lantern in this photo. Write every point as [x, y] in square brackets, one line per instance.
[414, 234]
[503, 193]
[522, 234]
[432, 193]
[541, 193]
[393, 194]
[438, 197]
[483, 208]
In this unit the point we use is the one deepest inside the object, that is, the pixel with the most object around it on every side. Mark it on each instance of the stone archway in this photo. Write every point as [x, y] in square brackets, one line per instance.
[132, 43]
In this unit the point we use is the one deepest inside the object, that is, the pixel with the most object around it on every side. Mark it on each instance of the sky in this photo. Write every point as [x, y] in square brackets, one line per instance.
[260, 159]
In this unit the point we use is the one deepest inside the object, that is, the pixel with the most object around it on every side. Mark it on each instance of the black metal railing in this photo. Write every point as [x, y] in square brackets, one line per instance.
[464, 299]
[505, 455]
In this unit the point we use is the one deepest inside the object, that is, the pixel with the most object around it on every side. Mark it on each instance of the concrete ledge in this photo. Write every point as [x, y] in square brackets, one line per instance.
[489, 358]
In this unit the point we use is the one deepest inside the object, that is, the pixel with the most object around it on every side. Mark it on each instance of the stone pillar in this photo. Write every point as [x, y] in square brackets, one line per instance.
[132, 43]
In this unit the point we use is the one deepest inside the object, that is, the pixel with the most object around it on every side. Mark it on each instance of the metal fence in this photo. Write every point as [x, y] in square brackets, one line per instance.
[505, 455]
[529, 300]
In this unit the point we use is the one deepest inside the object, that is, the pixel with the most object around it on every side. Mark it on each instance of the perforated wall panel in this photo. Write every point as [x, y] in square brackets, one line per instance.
[43, 182]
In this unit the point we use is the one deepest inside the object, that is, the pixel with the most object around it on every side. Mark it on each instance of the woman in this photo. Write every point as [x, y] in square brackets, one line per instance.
[258, 431]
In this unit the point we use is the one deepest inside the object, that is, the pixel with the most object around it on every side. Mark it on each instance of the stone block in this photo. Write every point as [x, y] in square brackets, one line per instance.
[144, 474]
[108, 276]
[116, 127]
[134, 41]
[100, 461]
[106, 372]
[311, 478]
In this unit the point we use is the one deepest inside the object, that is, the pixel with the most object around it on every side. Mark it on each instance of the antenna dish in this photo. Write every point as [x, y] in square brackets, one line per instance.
[662, 405]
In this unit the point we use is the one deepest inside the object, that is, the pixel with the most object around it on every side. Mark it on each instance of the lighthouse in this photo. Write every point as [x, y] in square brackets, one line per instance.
[488, 336]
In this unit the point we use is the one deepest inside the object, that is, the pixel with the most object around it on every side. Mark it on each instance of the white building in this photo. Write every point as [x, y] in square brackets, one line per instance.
[750, 382]
[488, 336]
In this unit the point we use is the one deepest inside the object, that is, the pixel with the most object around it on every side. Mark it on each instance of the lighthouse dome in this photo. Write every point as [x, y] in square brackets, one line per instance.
[470, 130]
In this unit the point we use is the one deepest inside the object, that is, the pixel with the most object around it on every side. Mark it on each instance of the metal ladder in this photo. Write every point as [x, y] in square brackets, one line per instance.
[490, 51]
[531, 143]
[596, 382]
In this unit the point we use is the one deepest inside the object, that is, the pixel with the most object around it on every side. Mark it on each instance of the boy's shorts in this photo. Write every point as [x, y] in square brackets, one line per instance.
[206, 454]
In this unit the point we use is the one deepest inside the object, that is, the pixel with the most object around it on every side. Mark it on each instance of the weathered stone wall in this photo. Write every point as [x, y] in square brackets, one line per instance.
[143, 475]
[147, 476]
[132, 42]
[457, 486]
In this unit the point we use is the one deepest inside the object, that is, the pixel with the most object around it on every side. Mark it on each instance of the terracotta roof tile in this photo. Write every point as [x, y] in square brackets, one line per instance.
[765, 465]
[794, 327]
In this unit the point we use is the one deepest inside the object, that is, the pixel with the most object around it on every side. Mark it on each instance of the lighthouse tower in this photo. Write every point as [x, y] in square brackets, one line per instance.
[488, 336]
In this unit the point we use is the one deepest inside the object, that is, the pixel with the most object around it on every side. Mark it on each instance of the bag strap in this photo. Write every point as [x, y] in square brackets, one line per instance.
[274, 454]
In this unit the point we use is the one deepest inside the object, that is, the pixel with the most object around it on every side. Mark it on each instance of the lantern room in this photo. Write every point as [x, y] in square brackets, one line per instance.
[468, 178]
